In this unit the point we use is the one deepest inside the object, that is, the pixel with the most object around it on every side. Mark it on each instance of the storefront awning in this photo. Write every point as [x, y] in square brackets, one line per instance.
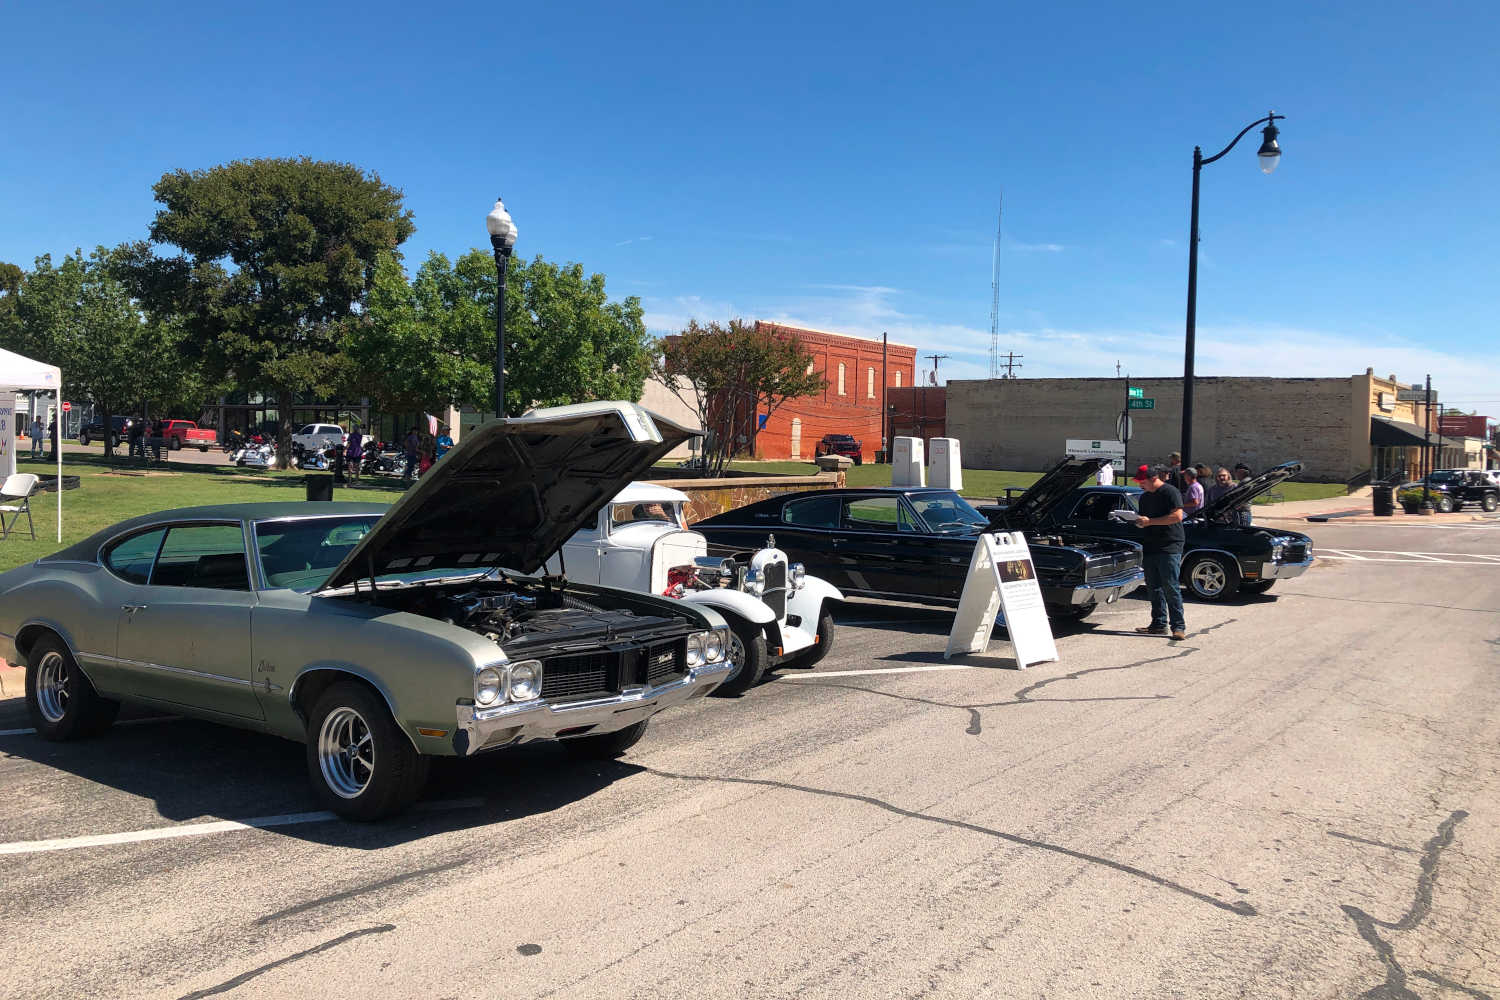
[1388, 433]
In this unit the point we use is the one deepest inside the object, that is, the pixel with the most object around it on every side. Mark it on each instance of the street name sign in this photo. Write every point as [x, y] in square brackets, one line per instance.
[1002, 576]
[1140, 404]
[1414, 395]
[1087, 448]
[1136, 392]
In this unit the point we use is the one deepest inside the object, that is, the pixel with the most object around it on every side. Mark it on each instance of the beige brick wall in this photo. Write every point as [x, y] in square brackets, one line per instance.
[1023, 423]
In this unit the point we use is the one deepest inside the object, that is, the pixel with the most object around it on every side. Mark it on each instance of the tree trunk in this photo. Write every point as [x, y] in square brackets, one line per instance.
[107, 421]
[284, 398]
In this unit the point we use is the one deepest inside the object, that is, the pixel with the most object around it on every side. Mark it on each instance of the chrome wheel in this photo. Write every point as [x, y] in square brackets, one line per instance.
[736, 655]
[1208, 578]
[52, 687]
[346, 753]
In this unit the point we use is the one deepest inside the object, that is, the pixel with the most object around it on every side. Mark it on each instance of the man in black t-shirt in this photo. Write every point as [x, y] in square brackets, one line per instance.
[1162, 538]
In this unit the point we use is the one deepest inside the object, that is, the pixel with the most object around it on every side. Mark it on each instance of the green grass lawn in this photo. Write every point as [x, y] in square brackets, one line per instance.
[987, 483]
[109, 494]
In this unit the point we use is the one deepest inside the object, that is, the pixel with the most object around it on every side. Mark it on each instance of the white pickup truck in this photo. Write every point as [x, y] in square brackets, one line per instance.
[777, 614]
[314, 436]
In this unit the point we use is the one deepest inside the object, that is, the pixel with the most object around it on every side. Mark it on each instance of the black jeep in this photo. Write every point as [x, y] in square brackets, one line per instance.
[1451, 489]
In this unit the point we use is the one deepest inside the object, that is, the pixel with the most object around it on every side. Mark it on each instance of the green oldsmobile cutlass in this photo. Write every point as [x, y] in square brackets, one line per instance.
[381, 637]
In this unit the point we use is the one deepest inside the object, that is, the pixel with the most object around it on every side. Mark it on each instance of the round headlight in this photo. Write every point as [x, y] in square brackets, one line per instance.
[695, 649]
[525, 680]
[713, 646]
[799, 573]
[489, 686]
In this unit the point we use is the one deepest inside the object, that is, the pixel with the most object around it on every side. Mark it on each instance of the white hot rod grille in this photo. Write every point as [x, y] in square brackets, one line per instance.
[773, 574]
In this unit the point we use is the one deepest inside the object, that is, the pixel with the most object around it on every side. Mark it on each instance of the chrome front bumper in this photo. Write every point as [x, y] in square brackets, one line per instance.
[1284, 570]
[1108, 591]
[506, 725]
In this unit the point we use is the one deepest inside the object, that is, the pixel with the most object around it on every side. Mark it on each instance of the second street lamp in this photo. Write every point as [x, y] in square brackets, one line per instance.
[502, 230]
[1269, 156]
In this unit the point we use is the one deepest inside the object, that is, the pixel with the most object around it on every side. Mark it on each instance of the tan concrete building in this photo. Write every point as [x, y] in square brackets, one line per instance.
[1343, 429]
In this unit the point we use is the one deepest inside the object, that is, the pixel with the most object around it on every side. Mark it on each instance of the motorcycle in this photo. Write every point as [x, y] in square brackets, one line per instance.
[255, 456]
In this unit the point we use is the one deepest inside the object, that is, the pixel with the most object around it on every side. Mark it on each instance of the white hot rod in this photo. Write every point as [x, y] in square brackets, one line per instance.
[777, 614]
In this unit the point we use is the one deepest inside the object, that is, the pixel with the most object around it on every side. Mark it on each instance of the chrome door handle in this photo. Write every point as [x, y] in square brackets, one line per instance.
[131, 609]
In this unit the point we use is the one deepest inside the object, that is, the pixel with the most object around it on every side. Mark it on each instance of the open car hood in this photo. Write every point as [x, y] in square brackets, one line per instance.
[1243, 493]
[1061, 480]
[512, 491]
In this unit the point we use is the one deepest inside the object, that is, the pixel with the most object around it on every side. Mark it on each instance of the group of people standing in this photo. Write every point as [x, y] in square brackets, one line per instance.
[422, 450]
[1172, 492]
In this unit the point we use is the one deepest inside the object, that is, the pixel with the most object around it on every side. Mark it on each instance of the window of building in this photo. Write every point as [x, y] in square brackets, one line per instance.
[810, 367]
[898, 378]
[869, 383]
[841, 379]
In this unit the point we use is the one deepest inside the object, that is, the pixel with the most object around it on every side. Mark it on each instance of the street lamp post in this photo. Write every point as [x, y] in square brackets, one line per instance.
[502, 232]
[1269, 155]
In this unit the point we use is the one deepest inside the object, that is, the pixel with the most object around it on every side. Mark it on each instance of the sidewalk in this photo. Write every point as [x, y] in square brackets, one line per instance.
[1356, 508]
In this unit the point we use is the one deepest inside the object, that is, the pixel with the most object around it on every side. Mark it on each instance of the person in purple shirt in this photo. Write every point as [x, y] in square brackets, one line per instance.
[1192, 493]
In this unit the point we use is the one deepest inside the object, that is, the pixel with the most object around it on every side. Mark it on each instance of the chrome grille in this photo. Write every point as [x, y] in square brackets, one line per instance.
[665, 661]
[1294, 552]
[606, 672]
[773, 574]
[577, 676]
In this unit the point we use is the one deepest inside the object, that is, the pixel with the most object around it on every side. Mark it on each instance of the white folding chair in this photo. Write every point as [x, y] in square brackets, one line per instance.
[15, 500]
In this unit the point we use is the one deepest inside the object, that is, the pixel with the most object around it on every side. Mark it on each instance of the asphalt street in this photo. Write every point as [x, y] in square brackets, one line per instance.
[1300, 800]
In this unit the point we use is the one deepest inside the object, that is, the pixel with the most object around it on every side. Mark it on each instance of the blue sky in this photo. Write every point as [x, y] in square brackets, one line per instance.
[840, 166]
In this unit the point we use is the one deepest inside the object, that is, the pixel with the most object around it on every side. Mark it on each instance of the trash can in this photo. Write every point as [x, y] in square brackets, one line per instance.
[1384, 500]
[320, 488]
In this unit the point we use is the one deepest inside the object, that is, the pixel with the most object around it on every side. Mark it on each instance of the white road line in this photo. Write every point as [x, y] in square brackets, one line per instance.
[1416, 561]
[887, 670]
[201, 829]
[1339, 552]
[122, 722]
[1403, 552]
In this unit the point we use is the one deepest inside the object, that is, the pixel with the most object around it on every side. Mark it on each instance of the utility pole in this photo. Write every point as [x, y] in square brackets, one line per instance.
[1426, 439]
[935, 358]
[885, 343]
[1009, 364]
[1125, 423]
[1117, 369]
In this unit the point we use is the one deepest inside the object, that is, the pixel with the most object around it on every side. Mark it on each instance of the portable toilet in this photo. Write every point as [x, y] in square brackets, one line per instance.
[946, 469]
[907, 466]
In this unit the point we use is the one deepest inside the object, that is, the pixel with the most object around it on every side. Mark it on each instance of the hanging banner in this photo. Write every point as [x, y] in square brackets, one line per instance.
[8, 432]
[1002, 578]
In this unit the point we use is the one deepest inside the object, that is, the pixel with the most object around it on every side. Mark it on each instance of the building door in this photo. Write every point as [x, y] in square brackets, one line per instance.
[796, 437]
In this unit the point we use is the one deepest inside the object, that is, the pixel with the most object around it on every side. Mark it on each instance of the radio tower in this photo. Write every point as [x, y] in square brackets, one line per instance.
[995, 297]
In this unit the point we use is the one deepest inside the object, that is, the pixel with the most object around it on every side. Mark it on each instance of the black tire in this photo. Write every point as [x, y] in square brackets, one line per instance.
[203, 448]
[1210, 578]
[605, 746]
[1256, 586]
[65, 705]
[1489, 503]
[174, 444]
[83, 438]
[394, 773]
[819, 652]
[1444, 505]
[747, 648]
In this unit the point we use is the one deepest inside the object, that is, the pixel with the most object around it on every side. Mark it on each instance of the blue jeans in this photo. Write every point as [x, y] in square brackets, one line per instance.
[1162, 570]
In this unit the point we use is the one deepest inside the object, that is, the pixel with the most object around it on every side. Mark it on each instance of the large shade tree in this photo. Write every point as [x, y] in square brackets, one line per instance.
[431, 341]
[276, 258]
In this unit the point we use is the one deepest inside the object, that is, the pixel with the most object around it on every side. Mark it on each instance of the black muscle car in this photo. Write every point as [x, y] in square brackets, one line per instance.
[1220, 557]
[914, 544]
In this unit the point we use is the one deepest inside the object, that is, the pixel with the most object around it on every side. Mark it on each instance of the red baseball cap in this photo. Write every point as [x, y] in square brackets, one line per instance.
[1143, 473]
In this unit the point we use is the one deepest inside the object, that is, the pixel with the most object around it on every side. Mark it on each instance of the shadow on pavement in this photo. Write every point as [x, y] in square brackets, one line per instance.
[196, 771]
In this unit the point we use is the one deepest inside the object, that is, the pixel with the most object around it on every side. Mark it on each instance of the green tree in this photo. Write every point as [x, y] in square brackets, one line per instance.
[80, 316]
[432, 341]
[729, 373]
[277, 255]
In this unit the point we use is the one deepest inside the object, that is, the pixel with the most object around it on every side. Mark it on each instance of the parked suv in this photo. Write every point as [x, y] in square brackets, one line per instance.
[119, 428]
[1451, 489]
[840, 444]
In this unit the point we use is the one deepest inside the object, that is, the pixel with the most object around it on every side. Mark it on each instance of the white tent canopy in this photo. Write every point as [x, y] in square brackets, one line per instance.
[19, 373]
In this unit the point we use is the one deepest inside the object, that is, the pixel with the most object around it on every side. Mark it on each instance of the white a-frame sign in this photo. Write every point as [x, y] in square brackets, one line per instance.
[1001, 575]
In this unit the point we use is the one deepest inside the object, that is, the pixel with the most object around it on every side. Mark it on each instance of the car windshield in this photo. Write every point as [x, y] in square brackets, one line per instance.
[1443, 476]
[947, 511]
[299, 554]
[651, 511]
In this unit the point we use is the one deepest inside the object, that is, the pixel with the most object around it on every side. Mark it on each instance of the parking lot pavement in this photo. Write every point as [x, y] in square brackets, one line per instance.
[1298, 800]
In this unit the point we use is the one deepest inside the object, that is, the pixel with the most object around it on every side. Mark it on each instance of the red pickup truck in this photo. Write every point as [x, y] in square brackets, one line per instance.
[180, 433]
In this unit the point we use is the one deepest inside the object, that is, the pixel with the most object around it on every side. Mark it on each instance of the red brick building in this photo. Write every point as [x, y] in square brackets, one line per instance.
[850, 402]
[921, 411]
